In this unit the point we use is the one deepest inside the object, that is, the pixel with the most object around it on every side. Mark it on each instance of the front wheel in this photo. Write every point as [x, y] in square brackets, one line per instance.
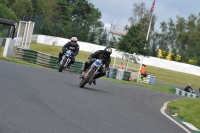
[62, 66]
[86, 79]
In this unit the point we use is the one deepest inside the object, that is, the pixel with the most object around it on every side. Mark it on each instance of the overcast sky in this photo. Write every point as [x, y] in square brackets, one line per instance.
[121, 10]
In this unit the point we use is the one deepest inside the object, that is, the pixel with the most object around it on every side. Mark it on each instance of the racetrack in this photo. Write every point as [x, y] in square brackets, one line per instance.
[39, 100]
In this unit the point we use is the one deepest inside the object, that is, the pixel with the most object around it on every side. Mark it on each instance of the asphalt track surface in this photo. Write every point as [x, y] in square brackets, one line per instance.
[39, 100]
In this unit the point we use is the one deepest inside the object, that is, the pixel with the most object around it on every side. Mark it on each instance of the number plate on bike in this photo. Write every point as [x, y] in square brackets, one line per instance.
[97, 63]
[68, 53]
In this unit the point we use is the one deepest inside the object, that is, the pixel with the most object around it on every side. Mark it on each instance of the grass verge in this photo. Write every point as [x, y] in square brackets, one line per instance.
[188, 110]
[166, 89]
[19, 61]
[15, 60]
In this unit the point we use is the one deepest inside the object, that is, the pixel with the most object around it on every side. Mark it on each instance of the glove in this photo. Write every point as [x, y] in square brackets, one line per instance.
[63, 50]
[90, 59]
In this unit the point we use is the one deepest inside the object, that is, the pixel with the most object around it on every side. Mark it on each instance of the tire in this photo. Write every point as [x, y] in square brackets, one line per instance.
[86, 79]
[62, 65]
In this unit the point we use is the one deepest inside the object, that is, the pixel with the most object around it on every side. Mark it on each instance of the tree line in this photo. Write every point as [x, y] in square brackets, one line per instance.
[67, 18]
[62, 18]
[177, 40]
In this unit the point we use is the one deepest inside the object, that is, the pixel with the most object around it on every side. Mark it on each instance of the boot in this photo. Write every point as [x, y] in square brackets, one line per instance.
[81, 71]
[69, 66]
[59, 59]
[94, 81]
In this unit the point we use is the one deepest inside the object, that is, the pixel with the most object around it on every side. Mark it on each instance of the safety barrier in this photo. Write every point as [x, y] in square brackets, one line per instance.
[118, 74]
[4, 42]
[149, 79]
[184, 93]
[126, 75]
[43, 59]
[129, 76]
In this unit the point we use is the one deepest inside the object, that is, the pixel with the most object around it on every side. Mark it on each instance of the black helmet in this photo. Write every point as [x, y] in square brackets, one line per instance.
[108, 51]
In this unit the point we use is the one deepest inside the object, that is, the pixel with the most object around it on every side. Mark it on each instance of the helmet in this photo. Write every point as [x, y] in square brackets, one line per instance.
[107, 51]
[74, 40]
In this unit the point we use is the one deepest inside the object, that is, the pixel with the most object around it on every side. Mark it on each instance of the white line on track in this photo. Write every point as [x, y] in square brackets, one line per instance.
[162, 110]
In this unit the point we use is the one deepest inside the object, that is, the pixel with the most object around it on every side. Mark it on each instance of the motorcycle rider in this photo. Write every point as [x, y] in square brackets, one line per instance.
[104, 55]
[188, 88]
[74, 47]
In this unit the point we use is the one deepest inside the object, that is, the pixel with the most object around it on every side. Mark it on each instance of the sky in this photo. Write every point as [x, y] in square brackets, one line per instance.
[121, 10]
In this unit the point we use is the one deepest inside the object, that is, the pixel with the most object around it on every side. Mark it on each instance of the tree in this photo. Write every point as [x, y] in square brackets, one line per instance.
[22, 7]
[10, 3]
[5, 12]
[113, 41]
[140, 16]
[102, 39]
[134, 41]
[80, 18]
[154, 44]
[37, 6]
[171, 35]
[163, 37]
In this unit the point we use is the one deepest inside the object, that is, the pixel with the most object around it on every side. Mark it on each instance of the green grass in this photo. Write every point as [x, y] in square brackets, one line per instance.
[166, 89]
[172, 77]
[162, 75]
[188, 110]
[54, 50]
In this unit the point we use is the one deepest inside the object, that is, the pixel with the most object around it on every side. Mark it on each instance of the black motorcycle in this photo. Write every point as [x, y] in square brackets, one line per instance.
[65, 60]
[190, 90]
[90, 73]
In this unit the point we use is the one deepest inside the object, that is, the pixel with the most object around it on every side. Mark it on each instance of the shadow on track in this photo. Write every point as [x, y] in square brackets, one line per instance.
[88, 88]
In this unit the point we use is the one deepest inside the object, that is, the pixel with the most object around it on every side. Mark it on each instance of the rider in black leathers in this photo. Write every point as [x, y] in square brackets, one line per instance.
[74, 47]
[188, 88]
[104, 55]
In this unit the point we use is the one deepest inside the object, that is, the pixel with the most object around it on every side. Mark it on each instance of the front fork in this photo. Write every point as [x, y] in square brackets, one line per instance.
[85, 74]
[67, 61]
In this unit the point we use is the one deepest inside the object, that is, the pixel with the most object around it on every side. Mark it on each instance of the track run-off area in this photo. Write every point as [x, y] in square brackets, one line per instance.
[40, 100]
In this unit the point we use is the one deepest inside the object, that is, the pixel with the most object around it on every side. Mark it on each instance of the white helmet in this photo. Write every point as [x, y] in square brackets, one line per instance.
[74, 40]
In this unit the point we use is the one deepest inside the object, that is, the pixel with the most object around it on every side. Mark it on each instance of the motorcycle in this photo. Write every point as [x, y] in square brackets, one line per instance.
[65, 60]
[90, 73]
[190, 90]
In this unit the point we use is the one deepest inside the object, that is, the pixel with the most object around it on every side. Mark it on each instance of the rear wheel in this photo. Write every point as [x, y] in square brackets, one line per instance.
[86, 79]
[62, 65]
